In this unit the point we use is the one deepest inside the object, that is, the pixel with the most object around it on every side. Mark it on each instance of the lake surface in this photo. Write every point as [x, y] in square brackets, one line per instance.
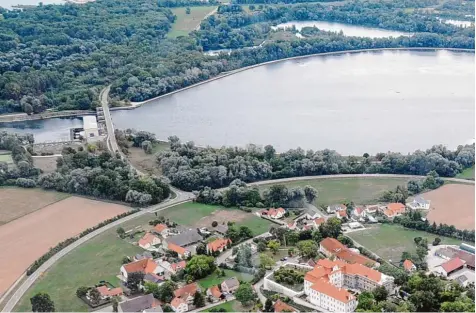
[54, 129]
[352, 102]
[347, 29]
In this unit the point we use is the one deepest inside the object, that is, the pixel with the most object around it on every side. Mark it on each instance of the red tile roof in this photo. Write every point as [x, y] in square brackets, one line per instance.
[319, 221]
[215, 291]
[408, 265]
[274, 212]
[160, 228]
[398, 208]
[218, 244]
[186, 291]
[342, 213]
[359, 210]
[352, 257]
[144, 266]
[178, 266]
[148, 239]
[106, 292]
[340, 294]
[176, 248]
[176, 302]
[280, 306]
[332, 245]
[452, 265]
[363, 271]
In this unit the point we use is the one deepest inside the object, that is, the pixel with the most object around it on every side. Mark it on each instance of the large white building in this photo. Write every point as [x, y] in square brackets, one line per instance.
[326, 284]
[90, 126]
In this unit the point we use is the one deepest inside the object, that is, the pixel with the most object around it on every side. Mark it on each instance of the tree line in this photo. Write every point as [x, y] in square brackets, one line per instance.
[191, 168]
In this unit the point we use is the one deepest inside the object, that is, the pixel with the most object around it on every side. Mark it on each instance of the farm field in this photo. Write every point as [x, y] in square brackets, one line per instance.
[452, 204]
[17, 202]
[202, 215]
[338, 190]
[467, 174]
[98, 259]
[29, 237]
[390, 241]
[185, 23]
[214, 279]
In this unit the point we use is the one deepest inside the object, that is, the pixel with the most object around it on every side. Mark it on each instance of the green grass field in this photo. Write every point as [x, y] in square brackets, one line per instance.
[230, 306]
[190, 213]
[185, 23]
[339, 190]
[6, 158]
[98, 259]
[390, 241]
[466, 174]
[214, 279]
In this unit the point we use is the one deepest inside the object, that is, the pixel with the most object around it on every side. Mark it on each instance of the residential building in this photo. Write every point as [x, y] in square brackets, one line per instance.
[466, 256]
[280, 306]
[409, 266]
[371, 209]
[276, 213]
[182, 252]
[179, 305]
[149, 241]
[445, 253]
[318, 221]
[230, 285]
[358, 212]
[153, 278]
[393, 209]
[144, 266]
[331, 209]
[161, 229]
[219, 245]
[419, 204]
[107, 293]
[292, 225]
[449, 267]
[175, 267]
[341, 214]
[184, 239]
[332, 247]
[214, 293]
[187, 292]
[139, 304]
[144, 255]
[326, 284]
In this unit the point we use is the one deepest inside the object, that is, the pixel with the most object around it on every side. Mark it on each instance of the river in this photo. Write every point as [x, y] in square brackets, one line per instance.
[347, 29]
[351, 102]
[54, 129]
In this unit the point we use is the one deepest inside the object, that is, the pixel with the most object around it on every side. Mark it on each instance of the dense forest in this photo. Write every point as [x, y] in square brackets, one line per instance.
[192, 168]
[61, 56]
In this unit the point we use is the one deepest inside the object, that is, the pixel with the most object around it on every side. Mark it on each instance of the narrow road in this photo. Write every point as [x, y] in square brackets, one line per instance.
[111, 138]
[231, 298]
[205, 17]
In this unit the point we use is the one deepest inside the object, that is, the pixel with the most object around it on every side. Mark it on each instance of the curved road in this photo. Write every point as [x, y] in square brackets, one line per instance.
[180, 198]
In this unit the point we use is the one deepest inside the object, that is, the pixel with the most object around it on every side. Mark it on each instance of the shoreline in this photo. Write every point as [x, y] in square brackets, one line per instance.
[47, 115]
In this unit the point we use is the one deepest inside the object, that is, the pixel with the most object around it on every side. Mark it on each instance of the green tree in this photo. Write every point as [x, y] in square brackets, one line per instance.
[121, 232]
[274, 245]
[380, 293]
[95, 296]
[165, 292]
[188, 10]
[265, 261]
[366, 301]
[261, 246]
[167, 308]
[245, 232]
[41, 302]
[134, 280]
[331, 228]
[198, 299]
[308, 248]
[115, 304]
[152, 288]
[245, 294]
[268, 306]
[200, 266]
[82, 292]
[310, 193]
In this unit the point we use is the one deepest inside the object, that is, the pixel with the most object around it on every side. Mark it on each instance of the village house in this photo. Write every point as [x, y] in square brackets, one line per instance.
[221, 229]
[449, 267]
[161, 229]
[358, 212]
[153, 278]
[179, 305]
[144, 266]
[140, 304]
[341, 214]
[419, 204]
[181, 252]
[107, 293]
[276, 213]
[318, 221]
[219, 245]
[393, 209]
[179, 243]
[331, 209]
[280, 306]
[214, 293]
[409, 266]
[230, 285]
[187, 292]
[175, 267]
[372, 209]
[326, 284]
[149, 241]
[332, 247]
[144, 255]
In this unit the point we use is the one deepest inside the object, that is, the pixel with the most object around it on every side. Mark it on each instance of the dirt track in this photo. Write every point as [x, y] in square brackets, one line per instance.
[27, 238]
[452, 204]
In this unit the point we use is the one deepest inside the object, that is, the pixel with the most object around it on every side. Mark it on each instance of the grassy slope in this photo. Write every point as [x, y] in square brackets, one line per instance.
[389, 241]
[213, 279]
[185, 23]
[467, 173]
[338, 190]
[228, 306]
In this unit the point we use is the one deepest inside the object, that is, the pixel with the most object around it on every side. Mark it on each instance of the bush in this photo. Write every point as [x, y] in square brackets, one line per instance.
[214, 224]
[25, 183]
[82, 292]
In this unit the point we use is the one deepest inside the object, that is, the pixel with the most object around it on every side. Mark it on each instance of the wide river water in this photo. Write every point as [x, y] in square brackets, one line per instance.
[351, 102]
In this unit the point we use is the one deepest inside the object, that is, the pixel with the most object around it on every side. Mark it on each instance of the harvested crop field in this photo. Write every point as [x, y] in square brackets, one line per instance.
[452, 204]
[27, 238]
[16, 202]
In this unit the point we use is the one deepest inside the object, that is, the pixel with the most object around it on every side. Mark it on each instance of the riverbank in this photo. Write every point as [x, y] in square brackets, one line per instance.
[46, 115]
